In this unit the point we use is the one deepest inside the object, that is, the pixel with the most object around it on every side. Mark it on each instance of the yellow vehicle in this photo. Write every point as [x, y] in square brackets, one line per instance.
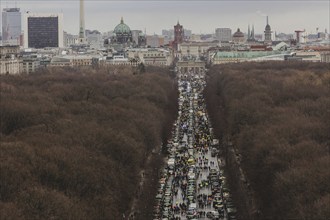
[191, 161]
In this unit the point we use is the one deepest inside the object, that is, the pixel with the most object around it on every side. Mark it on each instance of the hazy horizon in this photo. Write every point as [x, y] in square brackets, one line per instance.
[198, 16]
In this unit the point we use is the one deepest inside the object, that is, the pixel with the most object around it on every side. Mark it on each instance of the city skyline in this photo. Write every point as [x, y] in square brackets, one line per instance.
[198, 16]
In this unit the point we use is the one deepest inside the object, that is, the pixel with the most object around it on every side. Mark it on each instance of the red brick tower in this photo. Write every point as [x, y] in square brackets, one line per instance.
[178, 35]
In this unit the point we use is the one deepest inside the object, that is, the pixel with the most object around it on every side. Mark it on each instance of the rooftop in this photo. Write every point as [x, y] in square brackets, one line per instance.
[122, 28]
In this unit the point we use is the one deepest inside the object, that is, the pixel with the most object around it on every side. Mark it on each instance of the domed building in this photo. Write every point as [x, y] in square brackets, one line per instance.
[122, 33]
[238, 37]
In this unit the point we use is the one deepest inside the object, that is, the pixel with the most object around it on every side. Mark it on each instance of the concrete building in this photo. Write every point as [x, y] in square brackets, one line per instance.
[189, 65]
[244, 56]
[43, 30]
[168, 34]
[94, 39]
[9, 51]
[70, 39]
[151, 56]
[135, 36]
[223, 34]
[119, 60]
[10, 66]
[325, 57]
[187, 34]
[11, 26]
[284, 37]
[154, 41]
[308, 56]
[195, 49]
[60, 62]
[9, 60]
[74, 60]
[138, 38]
[30, 64]
[195, 37]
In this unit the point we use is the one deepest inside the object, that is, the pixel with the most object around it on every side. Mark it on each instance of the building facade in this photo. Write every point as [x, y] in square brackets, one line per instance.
[122, 34]
[70, 39]
[154, 41]
[223, 34]
[74, 60]
[43, 30]
[30, 64]
[10, 66]
[138, 38]
[238, 37]
[122, 37]
[151, 56]
[195, 49]
[11, 26]
[325, 57]
[168, 36]
[187, 34]
[94, 39]
[9, 60]
[244, 56]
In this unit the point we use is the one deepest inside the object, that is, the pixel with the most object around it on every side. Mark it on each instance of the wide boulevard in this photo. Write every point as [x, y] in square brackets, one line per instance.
[193, 185]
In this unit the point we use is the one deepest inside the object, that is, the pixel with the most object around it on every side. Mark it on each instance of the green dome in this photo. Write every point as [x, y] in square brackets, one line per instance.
[122, 28]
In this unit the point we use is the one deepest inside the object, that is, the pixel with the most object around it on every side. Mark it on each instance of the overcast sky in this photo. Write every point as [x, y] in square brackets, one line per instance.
[198, 16]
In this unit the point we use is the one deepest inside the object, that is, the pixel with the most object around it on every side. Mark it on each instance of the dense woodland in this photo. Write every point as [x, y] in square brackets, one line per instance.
[277, 116]
[73, 141]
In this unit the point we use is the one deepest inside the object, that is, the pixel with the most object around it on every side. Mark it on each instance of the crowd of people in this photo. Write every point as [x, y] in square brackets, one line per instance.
[192, 185]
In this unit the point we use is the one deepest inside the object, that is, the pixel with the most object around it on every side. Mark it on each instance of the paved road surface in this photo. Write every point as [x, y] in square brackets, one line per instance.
[192, 184]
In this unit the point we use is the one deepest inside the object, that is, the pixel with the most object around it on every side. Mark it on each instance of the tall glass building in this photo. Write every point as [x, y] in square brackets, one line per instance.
[11, 26]
[43, 31]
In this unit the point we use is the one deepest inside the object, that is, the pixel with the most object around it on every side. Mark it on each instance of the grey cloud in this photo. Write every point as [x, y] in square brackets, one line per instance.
[199, 16]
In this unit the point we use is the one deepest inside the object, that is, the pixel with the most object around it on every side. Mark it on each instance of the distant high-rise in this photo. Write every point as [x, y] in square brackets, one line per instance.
[82, 38]
[154, 41]
[187, 33]
[11, 26]
[223, 34]
[268, 34]
[94, 39]
[168, 33]
[43, 30]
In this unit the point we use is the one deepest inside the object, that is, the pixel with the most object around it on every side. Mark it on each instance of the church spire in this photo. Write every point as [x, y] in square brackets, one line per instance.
[249, 32]
[122, 20]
